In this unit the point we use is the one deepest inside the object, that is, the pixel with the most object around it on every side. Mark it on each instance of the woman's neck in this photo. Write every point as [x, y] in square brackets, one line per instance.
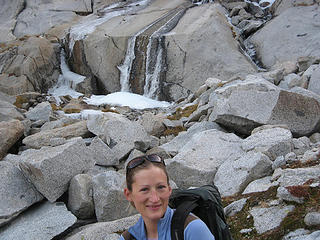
[151, 229]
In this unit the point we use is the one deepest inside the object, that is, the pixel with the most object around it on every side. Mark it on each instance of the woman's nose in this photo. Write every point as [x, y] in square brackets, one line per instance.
[154, 196]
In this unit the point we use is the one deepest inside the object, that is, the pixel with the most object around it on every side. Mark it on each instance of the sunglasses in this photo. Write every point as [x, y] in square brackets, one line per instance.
[139, 160]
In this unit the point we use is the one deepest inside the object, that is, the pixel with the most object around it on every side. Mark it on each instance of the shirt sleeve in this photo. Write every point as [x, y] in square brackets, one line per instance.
[121, 238]
[196, 230]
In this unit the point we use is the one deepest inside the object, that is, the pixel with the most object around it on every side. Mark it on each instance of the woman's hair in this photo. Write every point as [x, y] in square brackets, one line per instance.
[145, 165]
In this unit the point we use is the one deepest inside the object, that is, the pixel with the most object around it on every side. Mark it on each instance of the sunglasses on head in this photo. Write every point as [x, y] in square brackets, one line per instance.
[139, 160]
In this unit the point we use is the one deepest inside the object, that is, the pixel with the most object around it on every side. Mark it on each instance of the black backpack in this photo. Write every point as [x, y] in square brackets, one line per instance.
[205, 203]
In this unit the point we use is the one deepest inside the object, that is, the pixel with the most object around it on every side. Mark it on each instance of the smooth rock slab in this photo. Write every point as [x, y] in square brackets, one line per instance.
[266, 219]
[44, 221]
[298, 29]
[16, 192]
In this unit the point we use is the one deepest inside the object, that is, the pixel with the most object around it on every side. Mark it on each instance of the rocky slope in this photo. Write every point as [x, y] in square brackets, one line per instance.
[245, 80]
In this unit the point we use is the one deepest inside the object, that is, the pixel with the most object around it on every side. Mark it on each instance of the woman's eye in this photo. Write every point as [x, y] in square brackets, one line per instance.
[162, 187]
[144, 189]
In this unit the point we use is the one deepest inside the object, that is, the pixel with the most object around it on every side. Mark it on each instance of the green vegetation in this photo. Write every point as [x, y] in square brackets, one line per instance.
[294, 220]
[185, 112]
[20, 100]
[174, 131]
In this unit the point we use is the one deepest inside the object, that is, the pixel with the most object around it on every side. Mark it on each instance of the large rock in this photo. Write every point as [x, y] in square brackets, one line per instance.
[57, 136]
[198, 161]
[49, 15]
[244, 105]
[271, 140]
[37, 60]
[42, 111]
[13, 85]
[110, 203]
[10, 133]
[201, 46]
[45, 221]
[8, 112]
[295, 177]
[119, 133]
[179, 141]
[50, 169]
[314, 84]
[103, 154]
[152, 123]
[280, 6]
[295, 26]
[8, 13]
[269, 218]
[234, 175]
[16, 192]
[103, 230]
[80, 196]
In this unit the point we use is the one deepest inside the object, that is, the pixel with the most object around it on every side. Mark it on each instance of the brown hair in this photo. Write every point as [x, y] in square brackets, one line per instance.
[145, 165]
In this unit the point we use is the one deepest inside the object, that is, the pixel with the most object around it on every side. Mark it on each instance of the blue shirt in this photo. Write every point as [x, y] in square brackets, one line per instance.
[195, 230]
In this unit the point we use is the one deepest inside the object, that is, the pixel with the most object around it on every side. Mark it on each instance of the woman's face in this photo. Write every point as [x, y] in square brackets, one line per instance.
[150, 193]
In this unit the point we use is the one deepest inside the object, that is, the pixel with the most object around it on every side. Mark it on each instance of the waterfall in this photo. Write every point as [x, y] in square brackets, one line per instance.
[67, 81]
[154, 57]
[152, 75]
[199, 2]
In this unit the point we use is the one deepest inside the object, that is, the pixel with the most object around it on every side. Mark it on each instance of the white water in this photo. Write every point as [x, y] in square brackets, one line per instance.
[67, 81]
[89, 23]
[261, 2]
[126, 66]
[152, 78]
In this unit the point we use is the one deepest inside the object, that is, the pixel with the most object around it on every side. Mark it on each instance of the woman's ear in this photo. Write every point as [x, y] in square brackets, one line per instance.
[127, 194]
[170, 190]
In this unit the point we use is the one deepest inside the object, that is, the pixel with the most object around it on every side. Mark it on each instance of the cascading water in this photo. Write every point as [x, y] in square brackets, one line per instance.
[152, 37]
[154, 55]
[67, 81]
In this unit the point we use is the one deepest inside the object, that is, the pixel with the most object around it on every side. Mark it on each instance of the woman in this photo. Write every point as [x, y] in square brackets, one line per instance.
[148, 190]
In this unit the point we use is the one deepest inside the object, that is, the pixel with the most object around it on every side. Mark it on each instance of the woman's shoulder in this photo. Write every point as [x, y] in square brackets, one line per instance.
[197, 229]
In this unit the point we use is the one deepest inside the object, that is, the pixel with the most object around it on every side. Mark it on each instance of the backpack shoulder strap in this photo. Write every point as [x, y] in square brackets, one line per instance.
[189, 219]
[127, 236]
[178, 222]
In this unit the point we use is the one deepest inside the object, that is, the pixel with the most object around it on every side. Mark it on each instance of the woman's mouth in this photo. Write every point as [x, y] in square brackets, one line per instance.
[154, 207]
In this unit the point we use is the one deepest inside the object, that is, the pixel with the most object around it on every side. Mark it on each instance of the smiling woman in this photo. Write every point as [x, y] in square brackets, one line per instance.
[148, 190]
